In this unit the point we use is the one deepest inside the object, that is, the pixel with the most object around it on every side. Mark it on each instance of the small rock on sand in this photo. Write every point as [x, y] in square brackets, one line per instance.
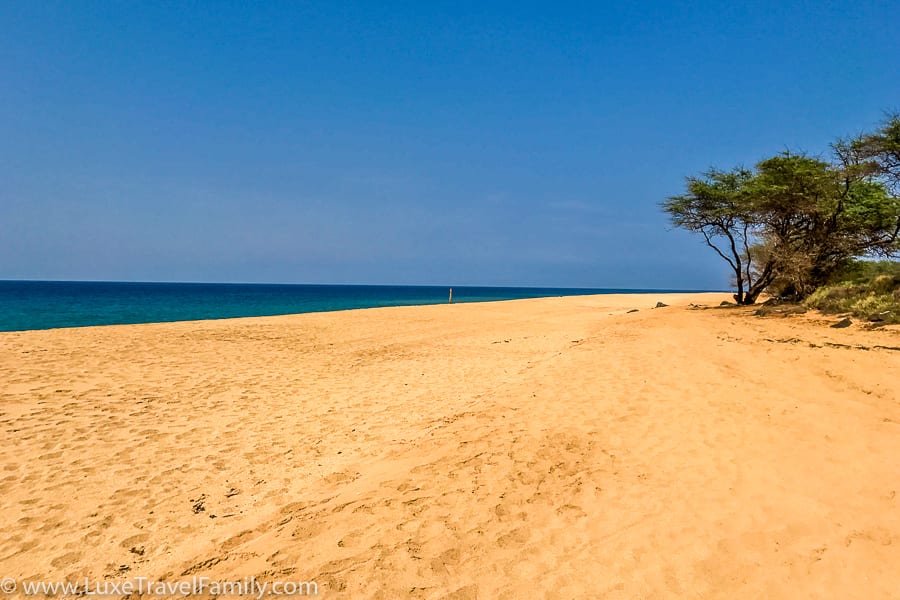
[845, 322]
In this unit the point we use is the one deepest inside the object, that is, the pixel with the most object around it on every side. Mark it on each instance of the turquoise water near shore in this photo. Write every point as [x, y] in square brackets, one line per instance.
[49, 304]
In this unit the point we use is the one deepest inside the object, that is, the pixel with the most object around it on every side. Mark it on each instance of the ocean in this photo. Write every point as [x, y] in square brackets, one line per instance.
[48, 304]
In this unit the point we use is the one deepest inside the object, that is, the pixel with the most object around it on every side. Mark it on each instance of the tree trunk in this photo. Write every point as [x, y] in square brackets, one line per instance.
[750, 297]
[739, 279]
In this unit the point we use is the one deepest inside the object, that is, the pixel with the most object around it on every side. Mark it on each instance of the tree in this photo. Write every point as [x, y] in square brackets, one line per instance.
[793, 221]
[717, 206]
[874, 154]
[875, 158]
[816, 217]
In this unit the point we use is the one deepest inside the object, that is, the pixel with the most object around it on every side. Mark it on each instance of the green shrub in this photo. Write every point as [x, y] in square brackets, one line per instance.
[885, 284]
[875, 305]
[864, 271]
[835, 298]
[872, 292]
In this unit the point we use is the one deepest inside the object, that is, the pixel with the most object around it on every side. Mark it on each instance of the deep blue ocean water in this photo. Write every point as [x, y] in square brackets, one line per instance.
[48, 304]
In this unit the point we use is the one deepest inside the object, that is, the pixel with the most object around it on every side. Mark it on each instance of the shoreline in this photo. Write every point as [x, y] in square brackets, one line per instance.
[553, 445]
[340, 310]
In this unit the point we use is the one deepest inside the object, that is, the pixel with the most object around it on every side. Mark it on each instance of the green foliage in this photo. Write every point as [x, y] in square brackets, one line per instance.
[795, 221]
[791, 185]
[868, 290]
[865, 271]
[714, 202]
[875, 154]
[817, 218]
[718, 207]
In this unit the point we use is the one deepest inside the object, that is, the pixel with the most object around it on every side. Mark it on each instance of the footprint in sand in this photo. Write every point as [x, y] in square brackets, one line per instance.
[65, 560]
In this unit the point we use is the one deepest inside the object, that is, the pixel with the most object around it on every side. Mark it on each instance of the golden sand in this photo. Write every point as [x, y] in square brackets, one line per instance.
[557, 447]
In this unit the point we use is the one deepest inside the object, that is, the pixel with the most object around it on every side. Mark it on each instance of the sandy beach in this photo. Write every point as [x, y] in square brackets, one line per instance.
[559, 447]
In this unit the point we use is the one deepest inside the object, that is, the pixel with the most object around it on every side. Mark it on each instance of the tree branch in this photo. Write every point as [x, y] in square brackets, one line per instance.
[714, 247]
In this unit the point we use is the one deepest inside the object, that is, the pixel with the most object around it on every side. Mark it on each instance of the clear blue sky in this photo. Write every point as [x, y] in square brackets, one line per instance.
[420, 142]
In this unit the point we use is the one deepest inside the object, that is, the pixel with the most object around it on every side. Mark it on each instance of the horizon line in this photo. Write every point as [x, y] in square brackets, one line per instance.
[423, 285]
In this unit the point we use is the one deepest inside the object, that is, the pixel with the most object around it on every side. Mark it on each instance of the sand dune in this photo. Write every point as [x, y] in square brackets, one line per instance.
[555, 447]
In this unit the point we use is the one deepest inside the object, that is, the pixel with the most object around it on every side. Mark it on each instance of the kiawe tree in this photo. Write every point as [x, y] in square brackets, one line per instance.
[795, 220]
[875, 155]
[717, 206]
[815, 217]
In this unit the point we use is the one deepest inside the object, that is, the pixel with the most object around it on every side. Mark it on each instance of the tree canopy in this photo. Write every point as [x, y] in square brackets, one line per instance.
[717, 206]
[793, 220]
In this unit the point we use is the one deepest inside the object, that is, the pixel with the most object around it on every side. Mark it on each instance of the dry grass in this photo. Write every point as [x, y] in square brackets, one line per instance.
[875, 300]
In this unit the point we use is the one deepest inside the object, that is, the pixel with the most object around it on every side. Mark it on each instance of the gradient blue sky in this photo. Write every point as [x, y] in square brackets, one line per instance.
[421, 142]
